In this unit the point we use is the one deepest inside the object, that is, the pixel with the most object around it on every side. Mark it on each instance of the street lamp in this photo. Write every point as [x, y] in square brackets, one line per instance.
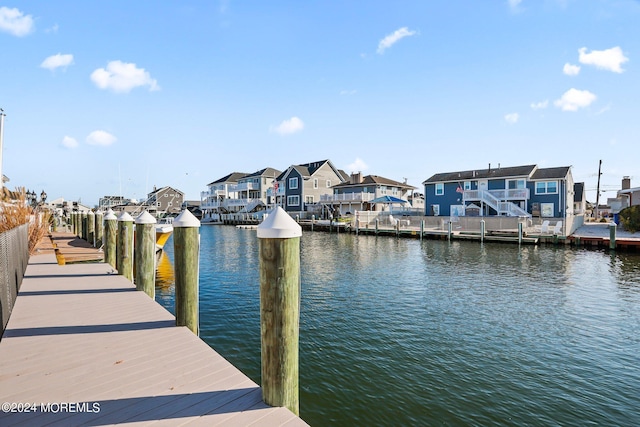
[43, 197]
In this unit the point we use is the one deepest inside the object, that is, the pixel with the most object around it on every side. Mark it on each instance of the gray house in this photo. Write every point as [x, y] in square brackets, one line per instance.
[301, 187]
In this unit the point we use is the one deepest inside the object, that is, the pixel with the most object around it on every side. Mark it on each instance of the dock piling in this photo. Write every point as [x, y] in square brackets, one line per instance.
[279, 247]
[111, 231]
[483, 227]
[145, 254]
[612, 235]
[99, 230]
[186, 248]
[91, 228]
[124, 246]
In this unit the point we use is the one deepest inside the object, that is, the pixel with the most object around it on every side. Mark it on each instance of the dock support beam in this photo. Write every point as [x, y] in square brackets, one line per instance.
[145, 254]
[124, 246]
[110, 232]
[186, 248]
[612, 236]
[279, 247]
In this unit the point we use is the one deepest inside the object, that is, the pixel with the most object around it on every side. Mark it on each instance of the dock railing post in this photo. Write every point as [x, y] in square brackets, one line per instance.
[99, 230]
[279, 247]
[612, 235]
[124, 246]
[145, 254]
[91, 228]
[110, 233]
[186, 249]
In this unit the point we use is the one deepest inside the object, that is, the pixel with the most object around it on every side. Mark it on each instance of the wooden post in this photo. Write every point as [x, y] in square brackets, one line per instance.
[124, 246]
[483, 229]
[519, 233]
[421, 229]
[279, 247]
[91, 228]
[397, 228]
[357, 223]
[377, 221]
[83, 226]
[449, 230]
[577, 241]
[145, 254]
[186, 248]
[110, 233]
[99, 230]
[612, 236]
[313, 220]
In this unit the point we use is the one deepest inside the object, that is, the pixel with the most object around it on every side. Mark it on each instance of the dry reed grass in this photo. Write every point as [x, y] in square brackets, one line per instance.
[14, 212]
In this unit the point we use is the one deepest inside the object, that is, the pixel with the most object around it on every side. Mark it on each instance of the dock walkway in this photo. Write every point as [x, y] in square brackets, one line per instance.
[83, 347]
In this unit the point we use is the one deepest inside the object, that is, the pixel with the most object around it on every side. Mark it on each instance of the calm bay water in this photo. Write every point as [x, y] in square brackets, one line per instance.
[403, 332]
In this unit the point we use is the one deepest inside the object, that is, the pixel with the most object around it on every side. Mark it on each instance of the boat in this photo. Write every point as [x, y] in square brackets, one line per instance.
[164, 228]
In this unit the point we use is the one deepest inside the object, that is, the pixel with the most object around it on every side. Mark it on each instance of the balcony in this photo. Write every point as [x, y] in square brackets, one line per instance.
[347, 197]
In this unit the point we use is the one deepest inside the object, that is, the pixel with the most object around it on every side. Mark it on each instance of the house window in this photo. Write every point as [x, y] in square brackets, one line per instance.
[547, 187]
[315, 182]
[435, 210]
[546, 210]
[308, 199]
[516, 184]
[166, 195]
[467, 185]
[439, 190]
[293, 183]
[293, 200]
[328, 183]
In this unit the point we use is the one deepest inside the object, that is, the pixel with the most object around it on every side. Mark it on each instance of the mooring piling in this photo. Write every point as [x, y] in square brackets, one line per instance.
[186, 244]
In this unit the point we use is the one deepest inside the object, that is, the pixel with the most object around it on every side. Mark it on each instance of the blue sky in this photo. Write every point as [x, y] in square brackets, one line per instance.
[108, 98]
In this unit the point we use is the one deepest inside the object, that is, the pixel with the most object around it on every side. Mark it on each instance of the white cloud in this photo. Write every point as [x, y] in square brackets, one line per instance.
[13, 21]
[69, 142]
[513, 4]
[512, 117]
[358, 165]
[573, 99]
[287, 127]
[100, 137]
[540, 105]
[571, 70]
[56, 61]
[348, 92]
[608, 59]
[122, 77]
[393, 38]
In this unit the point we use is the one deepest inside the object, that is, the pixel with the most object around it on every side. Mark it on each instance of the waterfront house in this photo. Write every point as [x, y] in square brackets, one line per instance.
[525, 191]
[166, 200]
[300, 187]
[358, 192]
[632, 195]
[238, 192]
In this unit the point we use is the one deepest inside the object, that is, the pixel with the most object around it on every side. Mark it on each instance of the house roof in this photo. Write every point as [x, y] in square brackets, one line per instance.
[551, 173]
[268, 172]
[499, 172]
[166, 187]
[307, 170]
[374, 180]
[232, 177]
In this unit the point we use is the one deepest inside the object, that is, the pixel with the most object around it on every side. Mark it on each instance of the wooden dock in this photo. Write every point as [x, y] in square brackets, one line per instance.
[83, 347]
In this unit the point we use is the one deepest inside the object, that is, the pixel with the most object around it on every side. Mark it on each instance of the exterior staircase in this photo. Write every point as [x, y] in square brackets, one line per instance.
[502, 207]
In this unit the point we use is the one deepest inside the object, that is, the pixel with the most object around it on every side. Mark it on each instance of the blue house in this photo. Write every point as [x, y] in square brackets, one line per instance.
[510, 191]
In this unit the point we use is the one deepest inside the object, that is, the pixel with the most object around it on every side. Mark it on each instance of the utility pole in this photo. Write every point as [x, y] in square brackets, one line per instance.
[598, 190]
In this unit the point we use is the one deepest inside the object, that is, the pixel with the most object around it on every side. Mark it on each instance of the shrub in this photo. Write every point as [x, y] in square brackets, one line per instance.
[14, 212]
[630, 218]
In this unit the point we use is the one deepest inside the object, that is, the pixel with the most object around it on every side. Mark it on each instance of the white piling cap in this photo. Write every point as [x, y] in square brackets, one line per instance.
[145, 218]
[279, 225]
[186, 219]
[110, 216]
[125, 217]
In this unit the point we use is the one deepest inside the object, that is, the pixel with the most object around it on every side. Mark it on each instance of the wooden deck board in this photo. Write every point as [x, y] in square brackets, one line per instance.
[79, 333]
